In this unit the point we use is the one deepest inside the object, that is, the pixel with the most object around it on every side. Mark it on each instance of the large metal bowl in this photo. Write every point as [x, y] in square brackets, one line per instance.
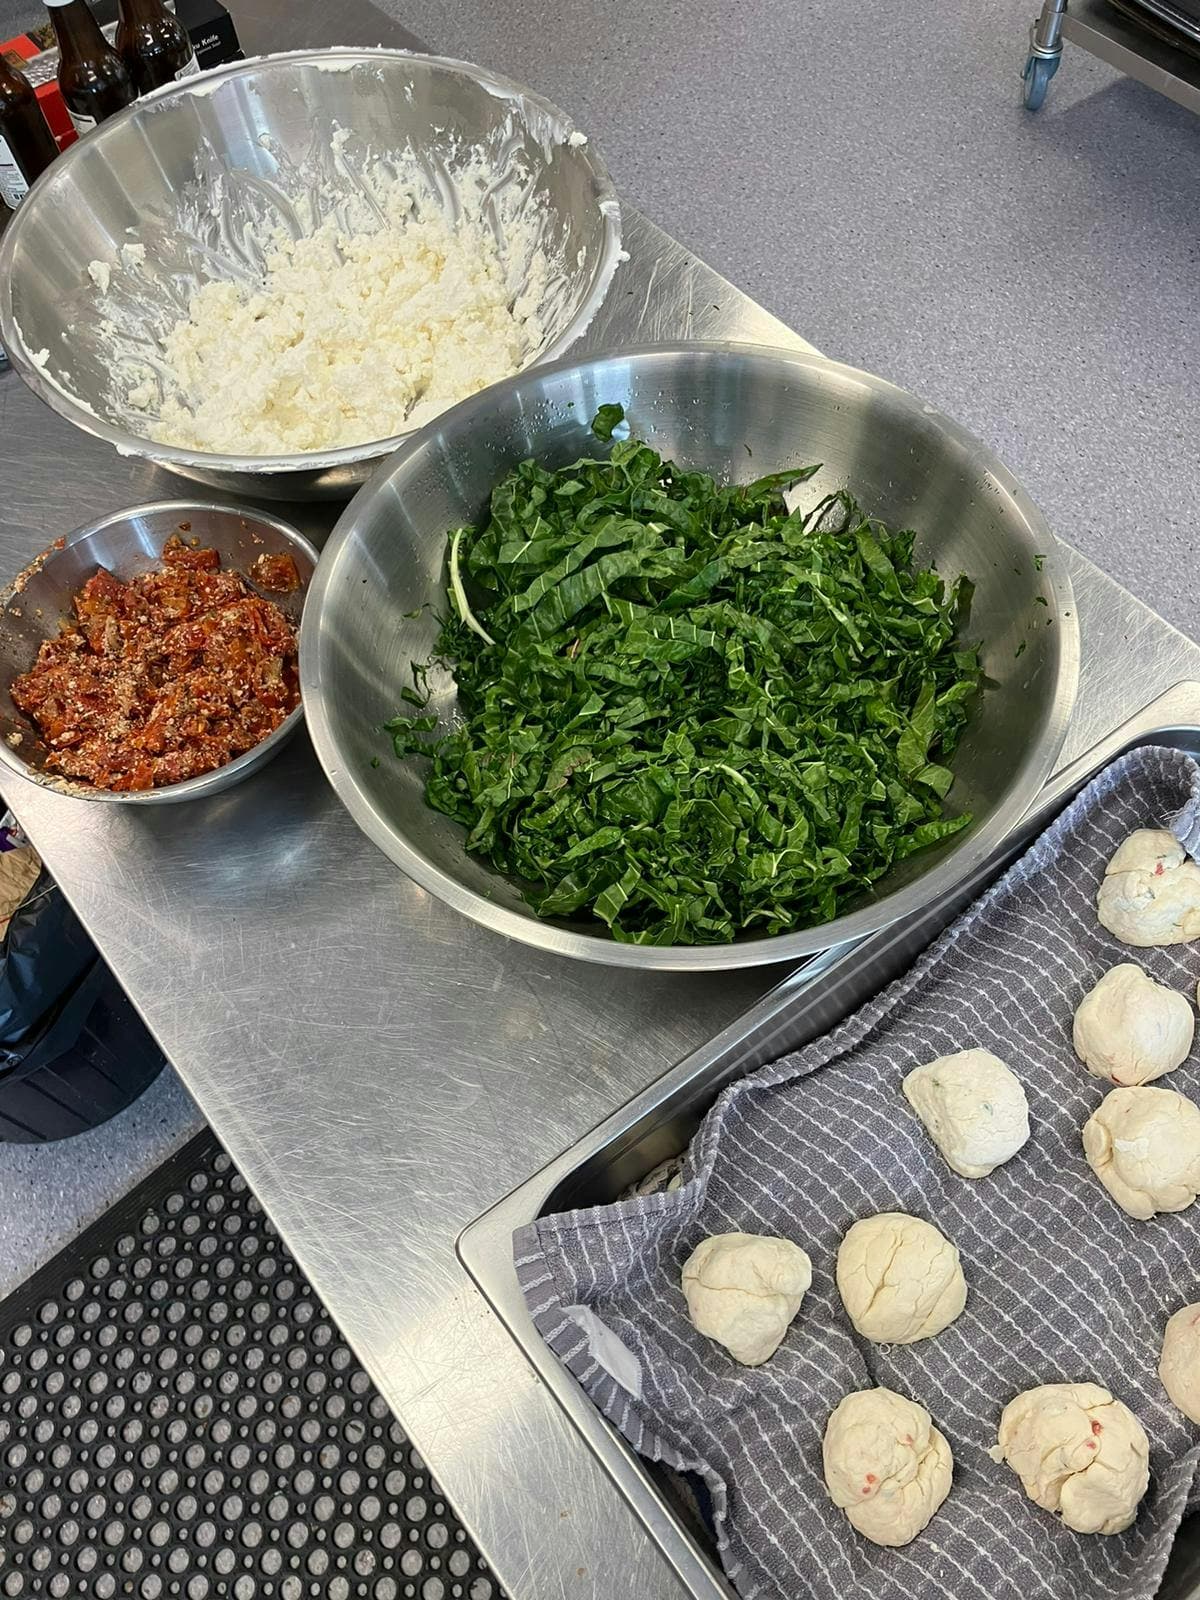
[128, 543]
[184, 170]
[707, 406]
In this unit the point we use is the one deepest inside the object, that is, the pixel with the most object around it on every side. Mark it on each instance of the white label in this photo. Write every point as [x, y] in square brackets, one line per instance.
[82, 124]
[190, 69]
[13, 187]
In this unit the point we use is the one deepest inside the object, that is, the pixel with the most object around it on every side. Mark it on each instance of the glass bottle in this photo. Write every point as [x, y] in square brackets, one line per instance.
[94, 81]
[153, 44]
[27, 147]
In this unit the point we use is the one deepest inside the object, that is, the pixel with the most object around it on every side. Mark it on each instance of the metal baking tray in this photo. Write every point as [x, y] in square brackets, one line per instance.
[659, 1123]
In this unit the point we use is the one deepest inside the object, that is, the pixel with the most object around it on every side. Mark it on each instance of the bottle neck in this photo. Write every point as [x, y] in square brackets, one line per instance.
[12, 81]
[135, 11]
[76, 29]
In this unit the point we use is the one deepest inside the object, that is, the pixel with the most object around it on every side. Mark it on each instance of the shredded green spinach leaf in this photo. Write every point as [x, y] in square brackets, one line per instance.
[606, 419]
[685, 710]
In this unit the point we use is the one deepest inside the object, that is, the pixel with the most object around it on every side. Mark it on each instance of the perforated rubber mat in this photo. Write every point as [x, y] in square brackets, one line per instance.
[179, 1417]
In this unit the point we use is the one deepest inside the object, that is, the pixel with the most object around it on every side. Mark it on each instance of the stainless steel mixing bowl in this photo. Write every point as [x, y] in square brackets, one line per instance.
[127, 543]
[706, 406]
[184, 170]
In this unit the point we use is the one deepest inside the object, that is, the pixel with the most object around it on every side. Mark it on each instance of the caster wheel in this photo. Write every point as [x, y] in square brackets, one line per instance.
[1038, 72]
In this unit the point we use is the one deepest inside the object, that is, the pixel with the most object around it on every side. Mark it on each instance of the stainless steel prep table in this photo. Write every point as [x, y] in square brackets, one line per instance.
[381, 1070]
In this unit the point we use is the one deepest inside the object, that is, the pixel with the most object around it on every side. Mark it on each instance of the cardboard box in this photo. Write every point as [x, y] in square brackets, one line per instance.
[211, 30]
[209, 26]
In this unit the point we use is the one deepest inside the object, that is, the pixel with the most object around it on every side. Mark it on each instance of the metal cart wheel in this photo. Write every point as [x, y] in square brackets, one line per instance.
[1045, 52]
[1037, 75]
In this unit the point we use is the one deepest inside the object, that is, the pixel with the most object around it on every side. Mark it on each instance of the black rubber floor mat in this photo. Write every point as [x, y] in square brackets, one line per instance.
[179, 1417]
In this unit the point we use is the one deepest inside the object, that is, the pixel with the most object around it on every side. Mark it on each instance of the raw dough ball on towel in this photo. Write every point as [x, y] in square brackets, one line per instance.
[899, 1278]
[1130, 1029]
[974, 1108]
[743, 1289]
[1151, 891]
[1077, 1452]
[1179, 1364]
[886, 1465]
[1144, 1146]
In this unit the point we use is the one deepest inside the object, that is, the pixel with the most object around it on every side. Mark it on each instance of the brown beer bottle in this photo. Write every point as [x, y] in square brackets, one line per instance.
[94, 81]
[153, 44]
[27, 146]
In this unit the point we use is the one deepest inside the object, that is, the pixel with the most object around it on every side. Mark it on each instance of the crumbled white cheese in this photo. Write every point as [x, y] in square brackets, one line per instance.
[349, 339]
[415, 281]
[143, 394]
[40, 358]
[101, 275]
[576, 138]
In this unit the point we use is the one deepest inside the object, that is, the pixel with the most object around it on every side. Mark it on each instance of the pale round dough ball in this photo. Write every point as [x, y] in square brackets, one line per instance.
[1144, 1146]
[886, 1465]
[974, 1108]
[899, 1278]
[1150, 893]
[1130, 1029]
[1078, 1452]
[743, 1289]
[1179, 1364]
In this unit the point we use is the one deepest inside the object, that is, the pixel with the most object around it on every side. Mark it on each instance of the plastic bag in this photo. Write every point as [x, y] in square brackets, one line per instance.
[45, 959]
[73, 1052]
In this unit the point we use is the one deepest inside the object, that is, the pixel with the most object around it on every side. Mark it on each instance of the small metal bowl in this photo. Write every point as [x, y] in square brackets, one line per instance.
[128, 543]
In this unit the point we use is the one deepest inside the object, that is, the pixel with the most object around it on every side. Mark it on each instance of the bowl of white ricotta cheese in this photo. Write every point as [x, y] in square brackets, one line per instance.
[265, 277]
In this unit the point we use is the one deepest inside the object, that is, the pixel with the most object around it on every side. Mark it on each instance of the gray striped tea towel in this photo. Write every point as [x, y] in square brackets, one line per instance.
[1063, 1286]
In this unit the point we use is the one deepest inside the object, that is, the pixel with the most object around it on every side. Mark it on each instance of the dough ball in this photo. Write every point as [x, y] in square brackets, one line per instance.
[743, 1289]
[899, 1278]
[1144, 1146]
[886, 1465]
[1151, 891]
[974, 1108]
[1077, 1452]
[1179, 1364]
[1130, 1029]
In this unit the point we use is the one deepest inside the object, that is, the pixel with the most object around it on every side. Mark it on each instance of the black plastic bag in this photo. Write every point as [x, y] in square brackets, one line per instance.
[73, 1052]
[44, 957]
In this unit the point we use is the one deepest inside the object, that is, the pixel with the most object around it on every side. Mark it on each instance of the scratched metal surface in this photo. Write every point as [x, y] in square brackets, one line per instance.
[380, 1069]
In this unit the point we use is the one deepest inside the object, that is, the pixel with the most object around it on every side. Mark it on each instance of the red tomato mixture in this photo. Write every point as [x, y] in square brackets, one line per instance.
[165, 677]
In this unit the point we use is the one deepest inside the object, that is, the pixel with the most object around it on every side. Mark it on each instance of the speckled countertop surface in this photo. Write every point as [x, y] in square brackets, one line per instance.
[866, 172]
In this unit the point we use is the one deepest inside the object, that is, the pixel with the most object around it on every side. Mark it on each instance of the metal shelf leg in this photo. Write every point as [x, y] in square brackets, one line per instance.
[1045, 52]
